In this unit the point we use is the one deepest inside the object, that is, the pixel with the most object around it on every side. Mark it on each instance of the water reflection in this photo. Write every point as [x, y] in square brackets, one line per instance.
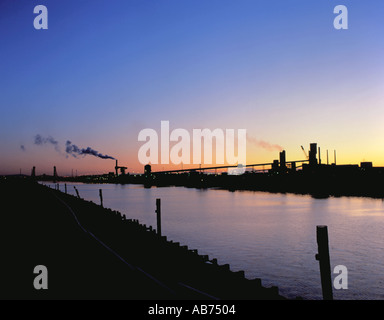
[270, 236]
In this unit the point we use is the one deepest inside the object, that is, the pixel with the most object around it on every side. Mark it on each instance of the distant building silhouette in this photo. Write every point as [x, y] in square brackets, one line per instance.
[312, 154]
[122, 169]
[366, 165]
[283, 165]
[147, 169]
[54, 174]
[275, 166]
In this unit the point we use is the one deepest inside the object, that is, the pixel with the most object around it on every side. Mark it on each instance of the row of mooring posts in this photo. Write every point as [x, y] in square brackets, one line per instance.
[158, 209]
[321, 236]
[57, 187]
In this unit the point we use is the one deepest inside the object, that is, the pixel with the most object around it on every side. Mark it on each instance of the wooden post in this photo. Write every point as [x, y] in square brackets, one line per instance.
[324, 262]
[65, 187]
[158, 212]
[101, 197]
[77, 192]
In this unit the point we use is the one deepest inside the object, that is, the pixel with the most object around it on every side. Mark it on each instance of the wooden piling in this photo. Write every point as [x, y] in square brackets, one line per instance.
[324, 262]
[256, 282]
[158, 214]
[65, 187]
[101, 197]
[225, 267]
[274, 290]
[240, 273]
[77, 192]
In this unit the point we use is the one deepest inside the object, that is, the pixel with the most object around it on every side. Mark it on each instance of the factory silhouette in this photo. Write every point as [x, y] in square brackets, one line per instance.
[308, 176]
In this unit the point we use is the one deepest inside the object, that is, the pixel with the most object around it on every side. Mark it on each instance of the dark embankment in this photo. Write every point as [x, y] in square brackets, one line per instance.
[95, 253]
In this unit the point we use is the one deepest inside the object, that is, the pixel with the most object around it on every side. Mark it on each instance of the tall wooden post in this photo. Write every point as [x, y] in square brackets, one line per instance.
[158, 212]
[101, 197]
[65, 187]
[324, 262]
[77, 192]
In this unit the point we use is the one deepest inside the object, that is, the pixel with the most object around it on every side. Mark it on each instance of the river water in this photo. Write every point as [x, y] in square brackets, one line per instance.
[269, 236]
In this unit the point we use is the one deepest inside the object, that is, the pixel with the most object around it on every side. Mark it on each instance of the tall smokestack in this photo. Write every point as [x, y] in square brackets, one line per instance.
[33, 173]
[282, 160]
[334, 155]
[312, 154]
[319, 156]
[327, 158]
[117, 168]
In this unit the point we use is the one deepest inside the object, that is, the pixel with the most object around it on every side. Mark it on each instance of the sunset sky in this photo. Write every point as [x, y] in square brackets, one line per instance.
[104, 70]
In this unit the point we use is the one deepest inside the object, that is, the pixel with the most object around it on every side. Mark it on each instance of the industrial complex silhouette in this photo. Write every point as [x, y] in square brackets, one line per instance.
[308, 176]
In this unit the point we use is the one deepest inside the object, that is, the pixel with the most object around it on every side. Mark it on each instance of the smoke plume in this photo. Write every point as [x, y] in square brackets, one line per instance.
[70, 149]
[74, 151]
[265, 145]
[39, 140]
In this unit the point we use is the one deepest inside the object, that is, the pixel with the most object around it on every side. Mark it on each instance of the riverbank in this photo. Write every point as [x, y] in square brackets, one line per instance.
[95, 253]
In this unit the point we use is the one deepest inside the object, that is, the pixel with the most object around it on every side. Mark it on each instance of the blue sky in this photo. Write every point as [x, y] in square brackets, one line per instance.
[104, 70]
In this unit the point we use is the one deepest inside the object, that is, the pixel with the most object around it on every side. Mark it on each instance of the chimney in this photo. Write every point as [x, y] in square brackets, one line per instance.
[54, 174]
[312, 154]
[282, 160]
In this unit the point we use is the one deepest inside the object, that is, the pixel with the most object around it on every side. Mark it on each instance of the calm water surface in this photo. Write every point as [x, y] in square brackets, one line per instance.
[269, 236]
